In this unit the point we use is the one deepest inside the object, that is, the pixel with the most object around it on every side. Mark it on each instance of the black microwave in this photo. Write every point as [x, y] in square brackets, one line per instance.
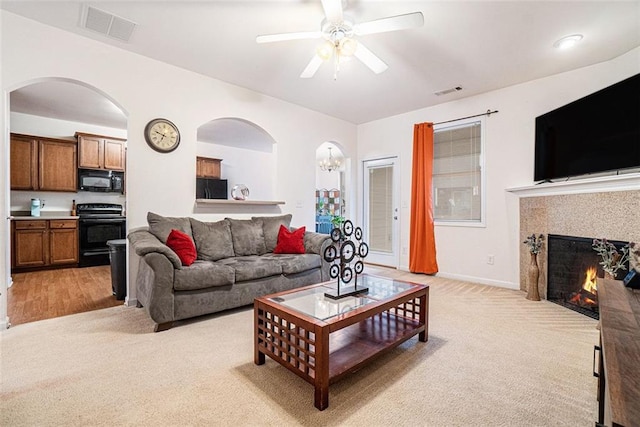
[101, 181]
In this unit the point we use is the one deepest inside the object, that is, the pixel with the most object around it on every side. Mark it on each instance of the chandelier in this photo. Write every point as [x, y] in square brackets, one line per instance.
[329, 164]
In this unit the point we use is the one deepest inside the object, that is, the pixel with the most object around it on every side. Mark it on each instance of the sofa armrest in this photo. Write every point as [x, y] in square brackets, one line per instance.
[143, 243]
[315, 243]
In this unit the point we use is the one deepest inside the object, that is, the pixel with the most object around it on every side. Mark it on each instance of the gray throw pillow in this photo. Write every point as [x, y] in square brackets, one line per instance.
[212, 239]
[271, 228]
[247, 236]
[161, 226]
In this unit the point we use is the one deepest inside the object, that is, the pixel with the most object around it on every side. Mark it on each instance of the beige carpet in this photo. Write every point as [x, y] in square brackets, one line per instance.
[493, 359]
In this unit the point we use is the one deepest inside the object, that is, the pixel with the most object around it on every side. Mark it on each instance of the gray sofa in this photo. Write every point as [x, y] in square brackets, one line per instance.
[235, 264]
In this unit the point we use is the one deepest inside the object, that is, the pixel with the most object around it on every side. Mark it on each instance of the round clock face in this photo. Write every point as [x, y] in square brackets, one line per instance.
[162, 135]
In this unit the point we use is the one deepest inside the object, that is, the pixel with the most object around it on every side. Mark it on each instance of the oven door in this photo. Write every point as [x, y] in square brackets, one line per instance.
[95, 232]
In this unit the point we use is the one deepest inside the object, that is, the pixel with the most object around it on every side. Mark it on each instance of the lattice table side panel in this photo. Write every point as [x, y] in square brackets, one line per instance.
[289, 344]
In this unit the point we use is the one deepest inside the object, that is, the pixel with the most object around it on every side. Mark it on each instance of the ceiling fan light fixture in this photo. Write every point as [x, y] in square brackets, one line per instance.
[325, 50]
[348, 47]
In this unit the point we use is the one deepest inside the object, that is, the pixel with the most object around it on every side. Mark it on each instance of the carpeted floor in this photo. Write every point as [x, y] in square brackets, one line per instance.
[493, 359]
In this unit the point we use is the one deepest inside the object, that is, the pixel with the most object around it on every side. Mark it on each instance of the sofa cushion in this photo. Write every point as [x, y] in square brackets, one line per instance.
[202, 275]
[271, 227]
[292, 264]
[252, 267]
[161, 226]
[290, 242]
[183, 246]
[213, 239]
[247, 236]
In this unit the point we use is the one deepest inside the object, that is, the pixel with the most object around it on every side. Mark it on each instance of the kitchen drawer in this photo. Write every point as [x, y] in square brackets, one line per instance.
[56, 224]
[30, 225]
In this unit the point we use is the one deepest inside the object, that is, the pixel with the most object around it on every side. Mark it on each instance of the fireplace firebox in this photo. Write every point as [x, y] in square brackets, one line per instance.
[572, 268]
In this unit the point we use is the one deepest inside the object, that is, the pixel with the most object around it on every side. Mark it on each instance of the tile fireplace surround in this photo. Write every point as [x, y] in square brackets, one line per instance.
[612, 215]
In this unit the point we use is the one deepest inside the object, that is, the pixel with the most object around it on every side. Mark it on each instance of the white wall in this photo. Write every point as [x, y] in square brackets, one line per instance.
[462, 251]
[162, 183]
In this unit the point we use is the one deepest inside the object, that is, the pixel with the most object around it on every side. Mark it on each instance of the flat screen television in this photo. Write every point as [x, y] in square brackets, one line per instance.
[597, 133]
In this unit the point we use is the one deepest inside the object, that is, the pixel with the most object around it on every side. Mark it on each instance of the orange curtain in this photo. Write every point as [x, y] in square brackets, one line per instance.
[422, 242]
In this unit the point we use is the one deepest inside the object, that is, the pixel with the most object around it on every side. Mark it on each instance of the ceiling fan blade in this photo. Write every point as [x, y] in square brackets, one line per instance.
[268, 38]
[333, 10]
[369, 59]
[312, 67]
[392, 23]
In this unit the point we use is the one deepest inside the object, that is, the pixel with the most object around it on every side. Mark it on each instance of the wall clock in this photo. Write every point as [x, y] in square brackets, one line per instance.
[162, 135]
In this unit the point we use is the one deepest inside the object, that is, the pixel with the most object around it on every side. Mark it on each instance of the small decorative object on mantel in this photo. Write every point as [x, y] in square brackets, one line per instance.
[535, 244]
[342, 252]
[240, 192]
[612, 260]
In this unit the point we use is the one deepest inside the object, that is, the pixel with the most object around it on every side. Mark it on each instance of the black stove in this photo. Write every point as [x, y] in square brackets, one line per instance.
[98, 223]
[99, 210]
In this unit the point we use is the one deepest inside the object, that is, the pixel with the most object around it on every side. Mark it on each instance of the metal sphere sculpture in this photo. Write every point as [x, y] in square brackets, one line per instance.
[346, 249]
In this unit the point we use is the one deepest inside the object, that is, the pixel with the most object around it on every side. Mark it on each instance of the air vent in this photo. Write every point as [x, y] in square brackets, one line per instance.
[108, 24]
[447, 91]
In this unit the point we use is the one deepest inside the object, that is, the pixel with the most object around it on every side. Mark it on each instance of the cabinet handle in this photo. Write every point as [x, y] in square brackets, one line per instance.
[596, 348]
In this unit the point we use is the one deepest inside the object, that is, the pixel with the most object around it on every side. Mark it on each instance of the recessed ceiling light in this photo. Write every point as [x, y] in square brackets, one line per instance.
[567, 41]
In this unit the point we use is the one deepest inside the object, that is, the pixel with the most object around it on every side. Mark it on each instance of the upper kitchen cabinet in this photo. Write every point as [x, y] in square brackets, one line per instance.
[45, 164]
[24, 162]
[101, 152]
[207, 167]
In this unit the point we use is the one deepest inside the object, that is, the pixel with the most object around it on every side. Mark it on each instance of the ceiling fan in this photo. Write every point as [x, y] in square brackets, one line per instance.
[339, 32]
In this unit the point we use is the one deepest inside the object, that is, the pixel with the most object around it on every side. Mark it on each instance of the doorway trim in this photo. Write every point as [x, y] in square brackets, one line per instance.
[392, 258]
[5, 203]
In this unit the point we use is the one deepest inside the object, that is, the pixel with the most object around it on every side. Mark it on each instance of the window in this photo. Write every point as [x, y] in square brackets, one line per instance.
[458, 175]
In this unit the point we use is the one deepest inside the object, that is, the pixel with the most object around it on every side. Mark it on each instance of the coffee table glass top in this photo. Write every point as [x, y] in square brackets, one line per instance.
[314, 303]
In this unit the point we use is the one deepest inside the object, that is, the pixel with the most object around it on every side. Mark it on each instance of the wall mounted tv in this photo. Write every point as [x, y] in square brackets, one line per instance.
[597, 133]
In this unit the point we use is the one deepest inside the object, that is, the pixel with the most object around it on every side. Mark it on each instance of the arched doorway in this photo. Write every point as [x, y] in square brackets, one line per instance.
[55, 109]
[330, 193]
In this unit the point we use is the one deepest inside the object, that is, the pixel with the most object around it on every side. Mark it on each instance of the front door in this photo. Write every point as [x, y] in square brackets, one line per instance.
[380, 219]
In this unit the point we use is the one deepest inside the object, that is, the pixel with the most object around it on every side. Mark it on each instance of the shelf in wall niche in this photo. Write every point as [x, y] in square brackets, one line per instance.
[239, 202]
[625, 182]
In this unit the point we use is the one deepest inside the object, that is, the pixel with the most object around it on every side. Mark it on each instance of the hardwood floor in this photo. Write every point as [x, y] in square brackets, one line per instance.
[53, 293]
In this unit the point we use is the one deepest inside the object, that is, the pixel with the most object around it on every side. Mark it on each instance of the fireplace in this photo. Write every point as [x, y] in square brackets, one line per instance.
[572, 268]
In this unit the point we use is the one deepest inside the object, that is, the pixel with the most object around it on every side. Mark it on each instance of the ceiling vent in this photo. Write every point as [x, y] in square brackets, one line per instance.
[108, 24]
[447, 91]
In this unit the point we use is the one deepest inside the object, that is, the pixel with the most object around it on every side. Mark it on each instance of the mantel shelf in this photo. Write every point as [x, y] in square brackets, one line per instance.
[624, 182]
[239, 202]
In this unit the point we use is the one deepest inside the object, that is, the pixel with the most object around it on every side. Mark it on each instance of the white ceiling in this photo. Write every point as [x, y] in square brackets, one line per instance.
[478, 45]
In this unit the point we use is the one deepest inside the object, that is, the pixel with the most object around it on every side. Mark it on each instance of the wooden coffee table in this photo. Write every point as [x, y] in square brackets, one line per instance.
[321, 339]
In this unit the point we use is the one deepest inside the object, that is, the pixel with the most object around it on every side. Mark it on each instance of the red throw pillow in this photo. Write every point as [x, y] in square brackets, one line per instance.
[183, 246]
[290, 242]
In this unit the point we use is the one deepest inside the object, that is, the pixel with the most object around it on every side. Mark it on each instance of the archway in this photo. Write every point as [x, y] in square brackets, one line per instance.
[55, 107]
[331, 191]
[242, 146]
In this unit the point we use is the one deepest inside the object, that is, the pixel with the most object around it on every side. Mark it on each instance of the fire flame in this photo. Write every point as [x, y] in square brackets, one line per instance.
[590, 284]
[589, 292]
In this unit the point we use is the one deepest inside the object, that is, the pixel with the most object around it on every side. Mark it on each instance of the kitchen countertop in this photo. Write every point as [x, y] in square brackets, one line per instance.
[26, 216]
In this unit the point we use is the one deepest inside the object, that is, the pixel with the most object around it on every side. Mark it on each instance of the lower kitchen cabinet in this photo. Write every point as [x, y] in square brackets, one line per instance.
[44, 243]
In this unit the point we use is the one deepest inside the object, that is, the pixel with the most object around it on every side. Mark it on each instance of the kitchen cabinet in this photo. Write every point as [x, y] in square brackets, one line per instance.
[207, 167]
[101, 152]
[43, 243]
[46, 164]
[24, 162]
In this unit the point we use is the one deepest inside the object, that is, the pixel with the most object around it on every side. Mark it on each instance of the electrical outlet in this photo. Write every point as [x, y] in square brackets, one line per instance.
[490, 259]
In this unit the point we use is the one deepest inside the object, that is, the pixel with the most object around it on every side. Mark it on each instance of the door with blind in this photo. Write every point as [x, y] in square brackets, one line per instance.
[380, 219]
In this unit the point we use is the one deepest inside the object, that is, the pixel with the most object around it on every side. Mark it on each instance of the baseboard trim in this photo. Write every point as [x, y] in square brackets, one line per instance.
[130, 302]
[473, 279]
